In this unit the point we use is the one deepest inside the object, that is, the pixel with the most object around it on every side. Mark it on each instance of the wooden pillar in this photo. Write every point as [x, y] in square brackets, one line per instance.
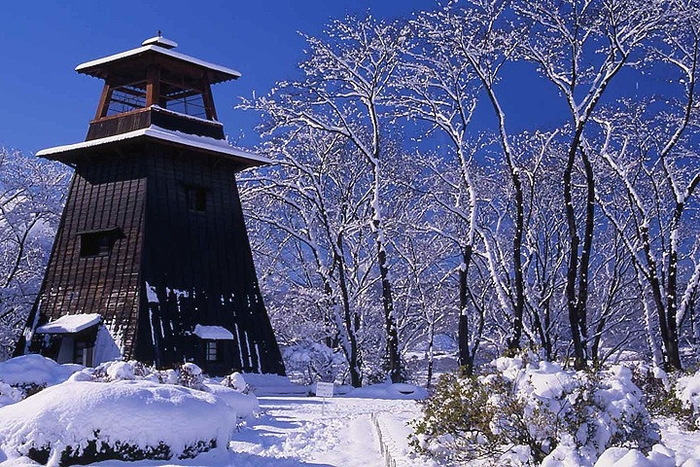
[103, 106]
[208, 100]
[153, 86]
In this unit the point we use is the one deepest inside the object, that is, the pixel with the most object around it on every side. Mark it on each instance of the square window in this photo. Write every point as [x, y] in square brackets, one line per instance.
[196, 198]
[97, 243]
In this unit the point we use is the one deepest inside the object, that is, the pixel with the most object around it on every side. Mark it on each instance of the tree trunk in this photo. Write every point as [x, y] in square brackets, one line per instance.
[465, 363]
[351, 324]
[580, 359]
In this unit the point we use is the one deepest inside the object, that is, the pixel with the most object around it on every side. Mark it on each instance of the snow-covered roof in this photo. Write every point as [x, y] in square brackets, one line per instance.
[70, 324]
[217, 333]
[176, 137]
[223, 72]
[160, 40]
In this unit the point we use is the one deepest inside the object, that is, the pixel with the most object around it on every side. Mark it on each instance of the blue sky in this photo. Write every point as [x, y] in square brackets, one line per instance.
[46, 103]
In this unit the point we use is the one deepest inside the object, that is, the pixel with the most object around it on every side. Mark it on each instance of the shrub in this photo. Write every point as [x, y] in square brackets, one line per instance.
[98, 450]
[662, 397]
[308, 361]
[237, 382]
[523, 411]
[84, 422]
[463, 419]
[191, 376]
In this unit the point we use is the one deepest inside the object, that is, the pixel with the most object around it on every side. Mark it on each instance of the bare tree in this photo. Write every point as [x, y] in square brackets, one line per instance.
[344, 90]
[310, 202]
[31, 196]
[581, 46]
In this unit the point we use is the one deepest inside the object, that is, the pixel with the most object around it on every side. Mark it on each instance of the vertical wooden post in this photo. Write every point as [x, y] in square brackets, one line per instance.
[208, 100]
[103, 106]
[153, 86]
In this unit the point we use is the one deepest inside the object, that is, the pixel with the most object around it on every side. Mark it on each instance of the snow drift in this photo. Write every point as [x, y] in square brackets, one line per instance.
[127, 420]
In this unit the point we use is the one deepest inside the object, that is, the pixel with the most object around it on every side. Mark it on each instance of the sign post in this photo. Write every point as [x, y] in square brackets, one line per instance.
[324, 390]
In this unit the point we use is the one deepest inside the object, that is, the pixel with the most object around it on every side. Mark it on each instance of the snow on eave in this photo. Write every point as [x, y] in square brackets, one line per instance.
[85, 67]
[160, 109]
[193, 141]
[70, 324]
[216, 333]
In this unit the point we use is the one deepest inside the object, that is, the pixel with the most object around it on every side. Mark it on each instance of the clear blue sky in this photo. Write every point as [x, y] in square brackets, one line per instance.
[46, 103]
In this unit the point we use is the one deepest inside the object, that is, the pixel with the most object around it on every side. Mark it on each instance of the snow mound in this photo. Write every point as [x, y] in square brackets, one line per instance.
[390, 391]
[659, 456]
[35, 369]
[245, 405]
[27, 374]
[237, 382]
[127, 420]
[273, 385]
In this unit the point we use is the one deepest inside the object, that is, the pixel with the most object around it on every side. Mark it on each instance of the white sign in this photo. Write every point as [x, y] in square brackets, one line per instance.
[324, 389]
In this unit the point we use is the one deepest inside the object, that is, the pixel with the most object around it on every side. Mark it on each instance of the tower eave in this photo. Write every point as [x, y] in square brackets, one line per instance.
[101, 67]
[71, 152]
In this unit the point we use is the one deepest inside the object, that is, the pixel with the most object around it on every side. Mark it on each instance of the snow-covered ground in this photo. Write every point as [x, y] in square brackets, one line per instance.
[132, 404]
[343, 432]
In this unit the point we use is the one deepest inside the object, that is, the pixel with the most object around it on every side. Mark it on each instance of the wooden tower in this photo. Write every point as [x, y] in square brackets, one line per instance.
[152, 260]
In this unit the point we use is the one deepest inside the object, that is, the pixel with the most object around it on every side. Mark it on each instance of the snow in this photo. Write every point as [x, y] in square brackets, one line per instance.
[270, 385]
[151, 294]
[35, 369]
[107, 347]
[70, 324]
[177, 137]
[296, 432]
[230, 73]
[213, 332]
[128, 402]
[161, 41]
[133, 412]
[390, 391]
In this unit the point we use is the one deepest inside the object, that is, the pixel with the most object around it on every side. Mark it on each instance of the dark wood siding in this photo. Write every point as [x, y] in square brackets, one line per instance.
[107, 192]
[171, 267]
[199, 264]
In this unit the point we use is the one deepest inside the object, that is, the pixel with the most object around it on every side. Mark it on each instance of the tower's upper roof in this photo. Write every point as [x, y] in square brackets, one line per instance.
[154, 49]
[154, 94]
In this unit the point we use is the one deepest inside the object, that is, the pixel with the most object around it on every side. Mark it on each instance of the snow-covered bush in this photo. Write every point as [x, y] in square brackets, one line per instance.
[191, 376]
[527, 411]
[308, 362]
[668, 395]
[237, 382]
[687, 391]
[84, 422]
[188, 375]
[9, 395]
[23, 376]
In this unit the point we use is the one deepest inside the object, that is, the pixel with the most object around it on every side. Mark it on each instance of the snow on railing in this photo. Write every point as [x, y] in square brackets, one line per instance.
[389, 460]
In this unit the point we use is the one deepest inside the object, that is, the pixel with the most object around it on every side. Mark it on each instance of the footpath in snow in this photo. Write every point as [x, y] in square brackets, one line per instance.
[346, 432]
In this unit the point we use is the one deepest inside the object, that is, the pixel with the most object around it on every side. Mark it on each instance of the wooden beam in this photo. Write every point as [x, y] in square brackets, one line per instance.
[208, 101]
[103, 105]
[153, 86]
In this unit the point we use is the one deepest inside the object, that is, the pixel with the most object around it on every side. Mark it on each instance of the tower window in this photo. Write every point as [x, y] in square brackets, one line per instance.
[196, 198]
[98, 243]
